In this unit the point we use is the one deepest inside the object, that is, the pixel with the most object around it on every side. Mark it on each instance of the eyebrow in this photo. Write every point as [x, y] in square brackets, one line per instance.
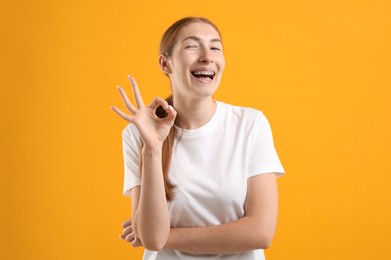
[195, 38]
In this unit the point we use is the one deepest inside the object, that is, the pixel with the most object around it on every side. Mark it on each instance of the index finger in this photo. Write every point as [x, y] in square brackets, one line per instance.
[136, 92]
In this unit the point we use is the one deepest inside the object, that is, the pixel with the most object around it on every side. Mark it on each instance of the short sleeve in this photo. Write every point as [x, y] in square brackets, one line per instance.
[131, 151]
[263, 157]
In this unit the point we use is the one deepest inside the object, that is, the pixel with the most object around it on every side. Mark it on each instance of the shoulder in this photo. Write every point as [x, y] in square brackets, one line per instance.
[131, 135]
[130, 130]
[246, 115]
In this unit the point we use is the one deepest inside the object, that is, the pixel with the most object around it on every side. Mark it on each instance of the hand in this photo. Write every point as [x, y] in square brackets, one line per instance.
[153, 130]
[129, 235]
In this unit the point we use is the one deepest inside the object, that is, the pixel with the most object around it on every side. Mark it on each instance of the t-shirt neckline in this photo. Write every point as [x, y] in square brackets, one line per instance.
[203, 129]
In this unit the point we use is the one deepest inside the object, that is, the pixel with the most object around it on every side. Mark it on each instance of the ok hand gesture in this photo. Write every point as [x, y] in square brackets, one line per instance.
[153, 130]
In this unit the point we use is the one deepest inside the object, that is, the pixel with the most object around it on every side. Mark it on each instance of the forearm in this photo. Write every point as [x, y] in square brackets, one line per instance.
[237, 236]
[151, 220]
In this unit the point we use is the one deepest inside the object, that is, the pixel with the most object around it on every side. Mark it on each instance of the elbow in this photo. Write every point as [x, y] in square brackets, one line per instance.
[263, 239]
[154, 246]
[264, 243]
[155, 242]
[263, 235]
[152, 237]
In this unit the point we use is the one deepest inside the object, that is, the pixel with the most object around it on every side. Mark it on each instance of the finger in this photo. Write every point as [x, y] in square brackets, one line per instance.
[122, 114]
[159, 102]
[136, 242]
[130, 237]
[126, 101]
[127, 223]
[136, 92]
[127, 231]
[171, 115]
[124, 234]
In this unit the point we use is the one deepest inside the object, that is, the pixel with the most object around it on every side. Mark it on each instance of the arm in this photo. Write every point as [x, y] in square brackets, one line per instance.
[156, 227]
[253, 231]
[151, 222]
[151, 219]
[128, 233]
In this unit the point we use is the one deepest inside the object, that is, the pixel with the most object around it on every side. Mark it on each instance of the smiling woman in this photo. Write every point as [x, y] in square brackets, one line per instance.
[201, 173]
[194, 64]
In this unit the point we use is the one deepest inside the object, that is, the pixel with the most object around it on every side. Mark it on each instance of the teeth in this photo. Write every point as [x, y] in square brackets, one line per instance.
[206, 73]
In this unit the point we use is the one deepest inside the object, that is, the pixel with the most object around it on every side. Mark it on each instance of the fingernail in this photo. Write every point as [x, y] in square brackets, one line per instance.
[170, 107]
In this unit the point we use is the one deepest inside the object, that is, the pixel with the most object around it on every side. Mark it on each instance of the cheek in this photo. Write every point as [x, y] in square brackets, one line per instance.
[179, 71]
[220, 60]
[222, 64]
[181, 63]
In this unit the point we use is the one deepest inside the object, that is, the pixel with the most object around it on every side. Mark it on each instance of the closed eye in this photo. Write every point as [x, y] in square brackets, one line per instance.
[190, 46]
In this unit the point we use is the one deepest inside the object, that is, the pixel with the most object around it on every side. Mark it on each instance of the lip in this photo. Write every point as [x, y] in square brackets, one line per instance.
[203, 69]
[203, 80]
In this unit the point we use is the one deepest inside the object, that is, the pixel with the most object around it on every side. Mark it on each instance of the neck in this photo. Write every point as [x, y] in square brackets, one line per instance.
[194, 114]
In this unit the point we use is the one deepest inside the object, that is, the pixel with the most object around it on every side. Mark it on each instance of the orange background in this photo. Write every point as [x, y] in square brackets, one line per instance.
[320, 70]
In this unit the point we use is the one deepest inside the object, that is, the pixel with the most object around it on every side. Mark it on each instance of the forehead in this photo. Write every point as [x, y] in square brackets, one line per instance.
[199, 29]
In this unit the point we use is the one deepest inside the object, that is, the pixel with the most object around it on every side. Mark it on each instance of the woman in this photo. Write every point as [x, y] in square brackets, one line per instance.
[202, 174]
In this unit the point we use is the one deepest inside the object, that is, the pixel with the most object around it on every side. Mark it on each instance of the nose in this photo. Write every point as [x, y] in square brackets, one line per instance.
[206, 56]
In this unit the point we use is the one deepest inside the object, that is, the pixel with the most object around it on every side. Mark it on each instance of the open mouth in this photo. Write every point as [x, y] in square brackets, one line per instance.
[207, 75]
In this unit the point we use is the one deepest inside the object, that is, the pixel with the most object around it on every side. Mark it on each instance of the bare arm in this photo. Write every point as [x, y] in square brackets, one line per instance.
[151, 218]
[128, 233]
[254, 231]
[151, 221]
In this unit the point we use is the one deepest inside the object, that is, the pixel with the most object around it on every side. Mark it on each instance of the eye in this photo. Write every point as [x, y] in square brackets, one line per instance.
[215, 49]
[190, 47]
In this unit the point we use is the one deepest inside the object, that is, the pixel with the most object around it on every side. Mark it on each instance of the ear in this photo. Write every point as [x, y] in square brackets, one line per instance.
[164, 66]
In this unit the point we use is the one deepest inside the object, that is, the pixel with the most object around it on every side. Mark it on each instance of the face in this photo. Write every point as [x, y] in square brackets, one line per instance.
[197, 62]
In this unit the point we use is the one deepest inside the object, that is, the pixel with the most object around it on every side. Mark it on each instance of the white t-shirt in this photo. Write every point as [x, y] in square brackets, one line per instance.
[210, 167]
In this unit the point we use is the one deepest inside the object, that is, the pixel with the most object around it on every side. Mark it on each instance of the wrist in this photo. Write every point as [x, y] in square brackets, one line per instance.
[152, 150]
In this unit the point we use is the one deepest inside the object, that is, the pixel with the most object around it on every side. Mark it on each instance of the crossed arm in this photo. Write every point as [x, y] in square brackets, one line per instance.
[253, 231]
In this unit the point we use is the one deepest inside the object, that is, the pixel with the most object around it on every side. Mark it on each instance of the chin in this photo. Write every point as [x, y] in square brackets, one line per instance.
[205, 91]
